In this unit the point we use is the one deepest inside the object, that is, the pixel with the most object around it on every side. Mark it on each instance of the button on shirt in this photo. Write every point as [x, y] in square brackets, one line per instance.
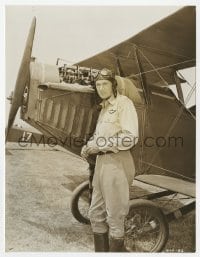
[117, 125]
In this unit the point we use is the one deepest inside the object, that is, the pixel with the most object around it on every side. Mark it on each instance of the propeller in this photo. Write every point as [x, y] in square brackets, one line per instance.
[22, 77]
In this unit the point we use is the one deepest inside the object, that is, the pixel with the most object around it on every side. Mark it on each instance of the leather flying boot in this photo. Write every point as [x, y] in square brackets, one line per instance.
[101, 243]
[117, 245]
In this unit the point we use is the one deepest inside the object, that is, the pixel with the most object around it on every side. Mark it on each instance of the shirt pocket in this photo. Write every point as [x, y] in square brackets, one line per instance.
[111, 116]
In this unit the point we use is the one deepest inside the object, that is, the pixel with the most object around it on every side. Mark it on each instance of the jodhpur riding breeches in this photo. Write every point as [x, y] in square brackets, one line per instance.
[114, 173]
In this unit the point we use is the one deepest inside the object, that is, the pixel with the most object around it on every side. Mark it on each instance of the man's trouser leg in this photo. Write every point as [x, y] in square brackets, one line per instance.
[97, 214]
[115, 191]
[110, 197]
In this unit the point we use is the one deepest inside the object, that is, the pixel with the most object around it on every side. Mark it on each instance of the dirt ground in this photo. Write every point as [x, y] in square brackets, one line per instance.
[39, 185]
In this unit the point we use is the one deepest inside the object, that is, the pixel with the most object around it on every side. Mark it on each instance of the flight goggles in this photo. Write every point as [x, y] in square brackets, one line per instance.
[104, 74]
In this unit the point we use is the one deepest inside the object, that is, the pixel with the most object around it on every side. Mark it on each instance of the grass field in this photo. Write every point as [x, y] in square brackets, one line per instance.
[39, 186]
[182, 234]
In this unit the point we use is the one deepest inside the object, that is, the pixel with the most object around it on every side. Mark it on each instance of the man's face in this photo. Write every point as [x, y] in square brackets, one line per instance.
[104, 88]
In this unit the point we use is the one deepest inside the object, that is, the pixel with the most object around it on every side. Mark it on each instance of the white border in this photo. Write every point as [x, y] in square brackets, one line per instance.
[2, 97]
[102, 2]
[2, 130]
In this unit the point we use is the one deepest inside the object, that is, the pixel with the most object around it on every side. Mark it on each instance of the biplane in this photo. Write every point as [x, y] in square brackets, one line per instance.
[60, 102]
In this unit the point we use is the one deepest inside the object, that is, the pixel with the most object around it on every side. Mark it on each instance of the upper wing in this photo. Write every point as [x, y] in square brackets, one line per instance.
[164, 47]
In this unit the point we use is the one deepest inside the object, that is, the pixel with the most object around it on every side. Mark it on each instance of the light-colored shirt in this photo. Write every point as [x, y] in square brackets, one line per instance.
[117, 125]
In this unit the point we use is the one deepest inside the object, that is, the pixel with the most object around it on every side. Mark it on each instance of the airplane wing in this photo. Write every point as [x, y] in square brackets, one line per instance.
[163, 48]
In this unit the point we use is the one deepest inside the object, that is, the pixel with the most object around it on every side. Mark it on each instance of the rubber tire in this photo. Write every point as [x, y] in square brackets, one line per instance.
[155, 211]
[83, 187]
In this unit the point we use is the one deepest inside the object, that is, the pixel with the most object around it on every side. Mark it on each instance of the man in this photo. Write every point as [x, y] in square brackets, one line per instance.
[116, 132]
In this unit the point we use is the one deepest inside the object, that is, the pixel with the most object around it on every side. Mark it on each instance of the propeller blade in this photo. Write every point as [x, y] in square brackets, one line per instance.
[22, 77]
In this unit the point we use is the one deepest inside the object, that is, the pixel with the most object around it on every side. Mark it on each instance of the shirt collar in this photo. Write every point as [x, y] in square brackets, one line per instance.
[111, 101]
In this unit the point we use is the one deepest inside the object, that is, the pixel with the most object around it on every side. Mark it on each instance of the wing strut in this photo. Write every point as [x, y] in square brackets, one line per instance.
[146, 90]
[119, 68]
[178, 88]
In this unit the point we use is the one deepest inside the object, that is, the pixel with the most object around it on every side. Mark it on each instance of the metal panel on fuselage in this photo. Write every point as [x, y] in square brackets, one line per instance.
[70, 117]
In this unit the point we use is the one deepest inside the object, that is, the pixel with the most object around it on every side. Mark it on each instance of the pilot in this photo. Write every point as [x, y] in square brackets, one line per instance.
[116, 133]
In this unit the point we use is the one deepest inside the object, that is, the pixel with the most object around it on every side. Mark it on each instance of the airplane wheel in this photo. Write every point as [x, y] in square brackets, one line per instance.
[80, 203]
[146, 227]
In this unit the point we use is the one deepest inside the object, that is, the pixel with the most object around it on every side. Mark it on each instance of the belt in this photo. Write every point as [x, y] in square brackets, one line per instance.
[102, 153]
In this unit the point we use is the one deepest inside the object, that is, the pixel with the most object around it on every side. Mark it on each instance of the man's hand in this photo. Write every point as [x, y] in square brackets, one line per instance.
[92, 150]
[89, 150]
[84, 152]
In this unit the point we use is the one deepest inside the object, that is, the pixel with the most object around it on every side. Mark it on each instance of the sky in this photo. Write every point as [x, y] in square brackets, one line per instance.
[74, 33]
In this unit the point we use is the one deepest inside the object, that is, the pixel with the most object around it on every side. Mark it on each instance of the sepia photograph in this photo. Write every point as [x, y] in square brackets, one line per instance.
[100, 133]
